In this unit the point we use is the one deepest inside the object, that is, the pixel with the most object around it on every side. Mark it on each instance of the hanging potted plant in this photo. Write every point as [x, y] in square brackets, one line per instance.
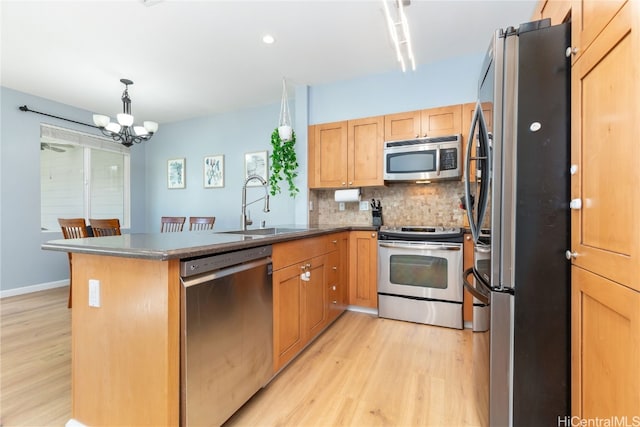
[284, 163]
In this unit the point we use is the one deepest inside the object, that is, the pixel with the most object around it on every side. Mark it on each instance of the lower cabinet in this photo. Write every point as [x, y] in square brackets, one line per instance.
[605, 335]
[309, 291]
[363, 271]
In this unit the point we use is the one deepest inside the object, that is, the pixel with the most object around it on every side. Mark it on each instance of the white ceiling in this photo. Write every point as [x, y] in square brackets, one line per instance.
[197, 58]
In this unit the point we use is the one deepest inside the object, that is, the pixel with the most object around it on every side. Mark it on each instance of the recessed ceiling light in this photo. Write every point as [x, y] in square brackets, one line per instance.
[268, 39]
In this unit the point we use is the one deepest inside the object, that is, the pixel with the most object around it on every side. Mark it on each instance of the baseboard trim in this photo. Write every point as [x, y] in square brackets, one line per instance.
[33, 288]
[360, 309]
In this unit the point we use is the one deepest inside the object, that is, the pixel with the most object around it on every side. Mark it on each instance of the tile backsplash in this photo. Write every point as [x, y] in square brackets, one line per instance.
[436, 204]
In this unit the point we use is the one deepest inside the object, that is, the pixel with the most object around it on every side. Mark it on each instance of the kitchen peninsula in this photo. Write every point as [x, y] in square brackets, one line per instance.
[126, 346]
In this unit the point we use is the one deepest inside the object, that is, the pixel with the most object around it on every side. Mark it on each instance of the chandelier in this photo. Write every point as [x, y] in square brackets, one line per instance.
[124, 131]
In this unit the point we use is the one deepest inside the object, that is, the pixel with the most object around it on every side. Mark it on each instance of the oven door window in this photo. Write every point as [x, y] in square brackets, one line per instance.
[411, 162]
[419, 270]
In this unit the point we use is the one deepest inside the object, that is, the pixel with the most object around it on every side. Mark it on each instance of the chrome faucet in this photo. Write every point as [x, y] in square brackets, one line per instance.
[244, 221]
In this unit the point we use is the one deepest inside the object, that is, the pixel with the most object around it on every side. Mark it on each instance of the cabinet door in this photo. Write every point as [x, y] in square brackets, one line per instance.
[588, 19]
[363, 274]
[605, 334]
[402, 126]
[605, 128]
[288, 335]
[366, 139]
[330, 155]
[441, 121]
[558, 11]
[315, 296]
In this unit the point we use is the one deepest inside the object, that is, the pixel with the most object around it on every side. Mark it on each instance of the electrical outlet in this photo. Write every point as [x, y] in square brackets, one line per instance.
[94, 293]
[364, 206]
[341, 206]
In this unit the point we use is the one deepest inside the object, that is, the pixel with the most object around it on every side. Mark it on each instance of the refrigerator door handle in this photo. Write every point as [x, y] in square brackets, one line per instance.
[474, 290]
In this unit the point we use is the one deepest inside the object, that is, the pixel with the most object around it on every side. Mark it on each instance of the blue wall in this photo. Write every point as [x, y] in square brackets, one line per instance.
[23, 263]
[233, 134]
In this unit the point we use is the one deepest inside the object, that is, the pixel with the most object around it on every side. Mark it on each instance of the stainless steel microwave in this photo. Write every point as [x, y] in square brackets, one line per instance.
[423, 159]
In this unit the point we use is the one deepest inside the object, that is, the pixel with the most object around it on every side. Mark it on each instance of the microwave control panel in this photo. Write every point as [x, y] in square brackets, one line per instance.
[448, 159]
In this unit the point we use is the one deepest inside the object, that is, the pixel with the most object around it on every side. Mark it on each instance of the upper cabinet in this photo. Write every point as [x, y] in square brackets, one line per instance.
[605, 90]
[588, 20]
[346, 154]
[424, 123]
[558, 11]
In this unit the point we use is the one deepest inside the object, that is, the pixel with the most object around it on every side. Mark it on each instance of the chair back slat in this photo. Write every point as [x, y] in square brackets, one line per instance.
[73, 228]
[198, 223]
[105, 227]
[170, 224]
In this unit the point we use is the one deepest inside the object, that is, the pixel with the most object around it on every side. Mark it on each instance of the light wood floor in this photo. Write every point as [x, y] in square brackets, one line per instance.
[363, 371]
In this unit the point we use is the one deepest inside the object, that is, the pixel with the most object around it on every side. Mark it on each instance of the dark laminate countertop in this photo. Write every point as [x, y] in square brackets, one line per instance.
[186, 244]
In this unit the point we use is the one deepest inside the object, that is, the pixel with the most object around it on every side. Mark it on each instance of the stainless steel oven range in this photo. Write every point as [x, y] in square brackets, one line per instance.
[419, 275]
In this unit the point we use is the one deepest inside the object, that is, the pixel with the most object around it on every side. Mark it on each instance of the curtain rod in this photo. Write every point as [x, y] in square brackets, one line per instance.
[26, 109]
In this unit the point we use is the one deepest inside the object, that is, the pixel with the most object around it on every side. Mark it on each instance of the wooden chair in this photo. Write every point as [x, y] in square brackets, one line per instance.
[198, 223]
[72, 228]
[169, 224]
[105, 227]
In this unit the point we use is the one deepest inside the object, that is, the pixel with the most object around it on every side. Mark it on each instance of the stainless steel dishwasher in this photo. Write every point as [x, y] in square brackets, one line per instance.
[227, 333]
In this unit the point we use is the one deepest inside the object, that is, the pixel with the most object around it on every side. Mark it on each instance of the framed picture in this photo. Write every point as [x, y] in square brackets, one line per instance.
[255, 164]
[175, 173]
[213, 168]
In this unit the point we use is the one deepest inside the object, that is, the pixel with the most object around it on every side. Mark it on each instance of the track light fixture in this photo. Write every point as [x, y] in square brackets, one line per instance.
[399, 31]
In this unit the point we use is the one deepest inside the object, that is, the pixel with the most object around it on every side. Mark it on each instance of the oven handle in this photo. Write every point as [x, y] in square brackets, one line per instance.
[418, 246]
[472, 289]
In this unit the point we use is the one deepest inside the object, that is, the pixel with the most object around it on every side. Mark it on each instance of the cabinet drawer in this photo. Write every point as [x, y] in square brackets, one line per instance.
[296, 251]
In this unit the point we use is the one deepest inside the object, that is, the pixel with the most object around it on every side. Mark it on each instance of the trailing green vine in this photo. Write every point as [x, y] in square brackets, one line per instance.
[284, 164]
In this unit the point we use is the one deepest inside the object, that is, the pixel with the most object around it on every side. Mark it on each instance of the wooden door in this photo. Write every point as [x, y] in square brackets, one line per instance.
[363, 274]
[402, 126]
[330, 155]
[605, 348]
[288, 335]
[366, 139]
[442, 121]
[605, 128]
[315, 296]
[588, 20]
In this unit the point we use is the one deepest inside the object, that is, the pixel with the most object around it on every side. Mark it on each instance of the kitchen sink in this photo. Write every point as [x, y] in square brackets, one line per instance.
[266, 231]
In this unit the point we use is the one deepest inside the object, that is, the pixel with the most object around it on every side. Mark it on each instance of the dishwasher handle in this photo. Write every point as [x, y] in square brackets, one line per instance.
[223, 272]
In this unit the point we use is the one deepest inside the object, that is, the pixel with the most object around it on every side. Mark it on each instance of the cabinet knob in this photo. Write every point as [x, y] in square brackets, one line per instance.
[575, 204]
[570, 255]
[468, 237]
[334, 301]
[334, 241]
[350, 183]
[333, 287]
[570, 51]
[343, 184]
[573, 169]
[417, 135]
[334, 268]
[373, 235]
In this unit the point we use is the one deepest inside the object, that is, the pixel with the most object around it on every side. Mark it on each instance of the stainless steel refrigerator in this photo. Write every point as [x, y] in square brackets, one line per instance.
[519, 194]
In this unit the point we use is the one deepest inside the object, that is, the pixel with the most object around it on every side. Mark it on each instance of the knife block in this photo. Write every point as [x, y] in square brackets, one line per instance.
[376, 217]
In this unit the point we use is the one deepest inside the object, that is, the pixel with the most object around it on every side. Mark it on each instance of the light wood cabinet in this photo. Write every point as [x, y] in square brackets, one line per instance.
[337, 297]
[605, 236]
[346, 154]
[558, 11]
[605, 348]
[303, 272]
[363, 271]
[432, 122]
[605, 109]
